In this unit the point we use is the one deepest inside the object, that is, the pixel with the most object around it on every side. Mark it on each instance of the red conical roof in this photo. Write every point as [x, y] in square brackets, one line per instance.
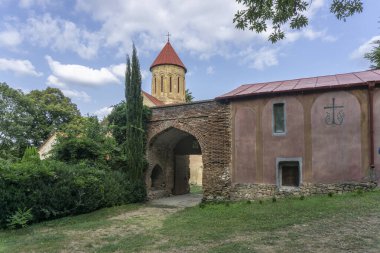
[168, 56]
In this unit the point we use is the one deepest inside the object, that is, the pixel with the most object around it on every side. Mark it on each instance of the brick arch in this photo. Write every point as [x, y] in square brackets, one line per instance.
[166, 158]
[158, 130]
[209, 122]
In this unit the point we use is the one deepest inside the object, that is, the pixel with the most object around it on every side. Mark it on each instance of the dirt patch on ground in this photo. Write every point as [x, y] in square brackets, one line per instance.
[133, 223]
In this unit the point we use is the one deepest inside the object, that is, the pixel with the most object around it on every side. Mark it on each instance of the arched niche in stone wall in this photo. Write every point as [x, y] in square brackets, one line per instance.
[157, 178]
[245, 146]
[288, 145]
[336, 138]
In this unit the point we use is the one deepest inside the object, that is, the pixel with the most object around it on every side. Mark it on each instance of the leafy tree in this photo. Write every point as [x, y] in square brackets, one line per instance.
[258, 13]
[84, 140]
[28, 120]
[16, 118]
[117, 121]
[188, 96]
[134, 145]
[51, 111]
[374, 55]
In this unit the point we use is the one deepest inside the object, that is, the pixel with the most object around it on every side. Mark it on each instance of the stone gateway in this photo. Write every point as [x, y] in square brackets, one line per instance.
[296, 137]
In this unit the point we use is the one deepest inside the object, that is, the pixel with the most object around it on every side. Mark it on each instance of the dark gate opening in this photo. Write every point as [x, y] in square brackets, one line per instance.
[180, 157]
[182, 163]
[290, 174]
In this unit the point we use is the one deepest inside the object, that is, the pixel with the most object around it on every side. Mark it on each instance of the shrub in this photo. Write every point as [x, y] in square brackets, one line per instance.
[31, 155]
[20, 218]
[55, 189]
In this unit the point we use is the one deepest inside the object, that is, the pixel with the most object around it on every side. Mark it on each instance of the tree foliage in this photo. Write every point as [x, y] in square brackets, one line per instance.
[374, 55]
[52, 110]
[134, 145]
[28, 120]
[84, 140]
[31, 155]
[188, 96]
[117, 121]
[282, 13]
[16, 118]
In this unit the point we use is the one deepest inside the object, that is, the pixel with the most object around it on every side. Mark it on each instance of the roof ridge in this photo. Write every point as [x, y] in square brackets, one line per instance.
[152, 98]
[352, 79]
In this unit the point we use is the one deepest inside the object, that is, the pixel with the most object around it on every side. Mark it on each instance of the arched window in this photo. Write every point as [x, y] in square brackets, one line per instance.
[155, 85]
[162, 83]
[183, 90]
[170, 85]
[178, 85]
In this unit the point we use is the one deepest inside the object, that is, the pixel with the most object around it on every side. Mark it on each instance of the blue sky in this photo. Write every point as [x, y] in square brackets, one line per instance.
[80, 46]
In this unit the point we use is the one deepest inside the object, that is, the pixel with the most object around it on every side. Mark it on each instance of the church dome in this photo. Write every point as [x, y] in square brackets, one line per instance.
[168, 56]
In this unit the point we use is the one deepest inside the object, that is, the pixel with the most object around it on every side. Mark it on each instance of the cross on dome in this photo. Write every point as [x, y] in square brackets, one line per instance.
[168, 35]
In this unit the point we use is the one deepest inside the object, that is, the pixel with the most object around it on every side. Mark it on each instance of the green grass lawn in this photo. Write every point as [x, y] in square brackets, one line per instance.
[196, 189]
[349, 222]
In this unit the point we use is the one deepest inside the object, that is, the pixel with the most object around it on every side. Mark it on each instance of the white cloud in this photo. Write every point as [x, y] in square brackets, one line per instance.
[78, 95]
[10, 38]
[210, 70]
[144, 74]
[62, 35]
[310, 34]
[30, 3]
[79, 74]
[103, 112]
[55, 82]
[118, 70]
[147, 22]
[314, 7]
[366, 47]
[260, 59]
[23, 67]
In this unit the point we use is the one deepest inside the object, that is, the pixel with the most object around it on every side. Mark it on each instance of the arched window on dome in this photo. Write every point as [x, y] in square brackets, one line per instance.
[155, 85]
[178, 85]
[183, 90]
[170, 80]
[162, 83]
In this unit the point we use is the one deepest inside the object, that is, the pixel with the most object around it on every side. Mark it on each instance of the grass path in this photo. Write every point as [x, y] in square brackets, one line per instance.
[347, 223]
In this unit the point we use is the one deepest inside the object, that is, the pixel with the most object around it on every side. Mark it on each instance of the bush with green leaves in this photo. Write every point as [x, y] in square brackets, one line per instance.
[54, 189]
[31, 155]
[20, 219]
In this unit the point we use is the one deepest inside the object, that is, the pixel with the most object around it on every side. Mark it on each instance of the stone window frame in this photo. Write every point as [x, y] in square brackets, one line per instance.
[155, 85]
[273, 119]
[279, 174]
[178, 84]
[162, 84]
[170, 84]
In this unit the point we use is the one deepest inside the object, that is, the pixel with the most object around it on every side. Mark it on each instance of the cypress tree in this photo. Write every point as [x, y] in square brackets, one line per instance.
[134, 146]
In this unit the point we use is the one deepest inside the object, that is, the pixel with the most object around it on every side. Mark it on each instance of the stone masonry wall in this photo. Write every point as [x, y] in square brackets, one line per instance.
[261, 191]
[209, 122]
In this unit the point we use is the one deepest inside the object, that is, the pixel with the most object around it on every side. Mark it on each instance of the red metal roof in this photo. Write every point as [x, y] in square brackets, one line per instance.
[154, 100]
[304, 84]
[168, 56]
